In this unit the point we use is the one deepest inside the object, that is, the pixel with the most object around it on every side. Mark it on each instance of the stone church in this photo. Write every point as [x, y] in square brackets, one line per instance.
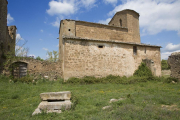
[93, 49]
[87, 49]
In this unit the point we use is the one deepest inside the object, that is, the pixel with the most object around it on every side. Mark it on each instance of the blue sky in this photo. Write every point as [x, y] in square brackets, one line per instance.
[38, 21]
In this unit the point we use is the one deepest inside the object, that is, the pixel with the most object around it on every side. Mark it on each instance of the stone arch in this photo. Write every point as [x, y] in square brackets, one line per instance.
[19, 69]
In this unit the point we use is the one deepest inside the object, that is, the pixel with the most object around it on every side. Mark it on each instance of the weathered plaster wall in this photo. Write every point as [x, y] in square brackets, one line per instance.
[98, 31]
[84, 58]
[174, 62]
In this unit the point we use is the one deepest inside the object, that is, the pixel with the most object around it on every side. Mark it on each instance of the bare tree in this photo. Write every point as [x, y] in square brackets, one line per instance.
[52, 56]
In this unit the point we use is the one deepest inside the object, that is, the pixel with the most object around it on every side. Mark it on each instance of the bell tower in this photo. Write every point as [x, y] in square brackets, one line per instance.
[128, 19]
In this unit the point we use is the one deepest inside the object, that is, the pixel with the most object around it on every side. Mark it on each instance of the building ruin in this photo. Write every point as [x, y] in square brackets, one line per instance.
[7, 35]
[174, 63]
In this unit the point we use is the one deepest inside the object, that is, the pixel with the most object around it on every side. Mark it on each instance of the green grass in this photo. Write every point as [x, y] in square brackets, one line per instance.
[142, 100]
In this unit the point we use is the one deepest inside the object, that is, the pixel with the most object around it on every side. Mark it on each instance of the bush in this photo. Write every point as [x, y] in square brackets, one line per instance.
[142, 71]
[164, 65]
[170, 79]
[25, 79]
[39, 58]
[74, 100]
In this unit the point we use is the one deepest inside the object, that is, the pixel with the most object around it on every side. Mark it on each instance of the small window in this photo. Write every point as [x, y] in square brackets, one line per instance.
[145, 50]
[120, 22]
[100, 46]
[135, 50]
[69, 29]
[8, 47]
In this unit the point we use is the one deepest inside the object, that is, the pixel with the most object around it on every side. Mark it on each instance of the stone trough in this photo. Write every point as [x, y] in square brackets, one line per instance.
[54, 102]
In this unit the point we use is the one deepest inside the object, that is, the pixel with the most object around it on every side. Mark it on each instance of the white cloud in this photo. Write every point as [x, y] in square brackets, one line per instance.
[88, 3]
[165, 55]
[9, 19]
[104, 21]
[169, 49]
[41, 30]
[64, 7]
[155, 15]
[111, 1]
[56, 23]
[172, 47]
[45, 49]
[18, 37]
[40, 39]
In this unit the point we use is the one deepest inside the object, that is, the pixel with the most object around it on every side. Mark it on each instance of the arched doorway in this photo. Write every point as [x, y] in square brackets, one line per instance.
[19, 69]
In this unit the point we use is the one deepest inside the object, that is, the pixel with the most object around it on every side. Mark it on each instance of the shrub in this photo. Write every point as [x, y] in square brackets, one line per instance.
[74, 100]
[39, 58]
[142, 71]
[170, 79]
[164, 65]
[25, 79]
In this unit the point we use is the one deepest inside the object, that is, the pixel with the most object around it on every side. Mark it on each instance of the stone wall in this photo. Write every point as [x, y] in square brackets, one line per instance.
[43, 69]
[3, 20]
[98, 31]
[3, 25]
[85, 58]
[7, 35]
[174, 62]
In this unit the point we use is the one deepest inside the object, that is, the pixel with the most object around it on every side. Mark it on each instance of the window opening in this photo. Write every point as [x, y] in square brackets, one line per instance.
[135, 50]
[145, 50]
[69, 29]
[100, 46]
[120, 22]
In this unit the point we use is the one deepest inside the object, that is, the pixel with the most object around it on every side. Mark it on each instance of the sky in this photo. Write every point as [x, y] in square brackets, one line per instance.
[38, 21]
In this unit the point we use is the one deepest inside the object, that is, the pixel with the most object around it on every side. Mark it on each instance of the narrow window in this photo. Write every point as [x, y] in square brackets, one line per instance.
[100, 46]
[69, 29]
[135, 50]
[120, 23]
[145, 50]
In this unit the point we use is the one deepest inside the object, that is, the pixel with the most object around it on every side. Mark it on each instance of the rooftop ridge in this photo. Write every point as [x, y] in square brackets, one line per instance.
[112, 41]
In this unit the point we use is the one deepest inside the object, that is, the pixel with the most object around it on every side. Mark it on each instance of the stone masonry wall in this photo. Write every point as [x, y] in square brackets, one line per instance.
[42, 68]
[98, 31]
[130, 20]
[84, 58]
[7, 35]
[3, 24]
[3, 20]
[174, 62]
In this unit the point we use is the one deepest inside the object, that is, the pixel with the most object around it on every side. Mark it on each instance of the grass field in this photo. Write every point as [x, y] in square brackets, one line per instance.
[143, 100]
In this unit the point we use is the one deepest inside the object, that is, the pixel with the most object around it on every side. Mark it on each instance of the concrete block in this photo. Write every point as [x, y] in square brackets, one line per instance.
[44, 105]
[66, 95]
